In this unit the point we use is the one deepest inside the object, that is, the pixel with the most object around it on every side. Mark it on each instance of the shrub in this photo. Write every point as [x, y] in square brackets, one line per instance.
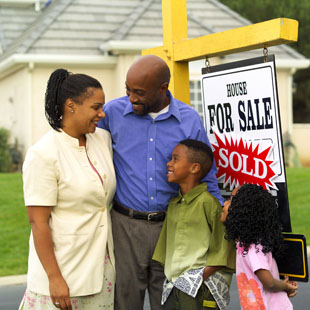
[5, 157]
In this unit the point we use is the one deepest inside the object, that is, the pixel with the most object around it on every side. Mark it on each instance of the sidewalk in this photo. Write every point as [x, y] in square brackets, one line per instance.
[22, 279]
[13, 280]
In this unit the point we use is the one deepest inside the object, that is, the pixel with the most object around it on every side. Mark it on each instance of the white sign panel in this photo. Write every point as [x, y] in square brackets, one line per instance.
[242, 121]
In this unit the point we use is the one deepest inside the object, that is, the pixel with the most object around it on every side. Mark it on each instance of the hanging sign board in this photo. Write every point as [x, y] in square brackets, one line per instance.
[294, 262]
[242, 121]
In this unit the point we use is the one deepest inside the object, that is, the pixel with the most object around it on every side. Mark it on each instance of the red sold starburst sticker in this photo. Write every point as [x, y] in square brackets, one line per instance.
[240, 162]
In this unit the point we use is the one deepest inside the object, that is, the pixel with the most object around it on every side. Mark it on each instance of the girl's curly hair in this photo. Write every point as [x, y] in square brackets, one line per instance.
[253, 219]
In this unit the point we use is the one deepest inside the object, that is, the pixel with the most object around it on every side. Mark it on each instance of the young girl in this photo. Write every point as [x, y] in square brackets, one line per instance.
[253, 222]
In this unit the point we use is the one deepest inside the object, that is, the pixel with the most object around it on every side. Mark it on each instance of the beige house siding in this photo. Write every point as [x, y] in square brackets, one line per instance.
[39, 80]
[284, 97]
[102, 38]
[23, 100]
[23, 92]
[15, 107]
[301, 139]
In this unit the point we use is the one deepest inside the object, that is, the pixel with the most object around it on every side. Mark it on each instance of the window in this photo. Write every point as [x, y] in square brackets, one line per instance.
[195, 96]
[301, 97]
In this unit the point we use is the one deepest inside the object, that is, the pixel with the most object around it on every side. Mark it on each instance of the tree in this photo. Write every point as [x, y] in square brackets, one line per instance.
[5, 158]
[258, 11]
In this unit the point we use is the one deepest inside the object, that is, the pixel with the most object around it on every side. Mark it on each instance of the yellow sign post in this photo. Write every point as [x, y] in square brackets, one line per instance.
[178, 50]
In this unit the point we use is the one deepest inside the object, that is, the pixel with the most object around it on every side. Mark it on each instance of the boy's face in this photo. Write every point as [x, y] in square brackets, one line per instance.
[179, 168]
[227, 204]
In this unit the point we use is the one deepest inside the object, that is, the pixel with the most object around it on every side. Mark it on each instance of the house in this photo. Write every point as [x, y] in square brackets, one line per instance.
[102, 38]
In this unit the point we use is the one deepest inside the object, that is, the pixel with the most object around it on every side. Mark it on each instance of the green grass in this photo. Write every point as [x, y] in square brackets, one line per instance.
[15, 229]
[14, 226]
[298, 184]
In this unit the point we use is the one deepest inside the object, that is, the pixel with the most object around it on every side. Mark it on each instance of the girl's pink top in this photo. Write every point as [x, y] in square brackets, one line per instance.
[251, 291]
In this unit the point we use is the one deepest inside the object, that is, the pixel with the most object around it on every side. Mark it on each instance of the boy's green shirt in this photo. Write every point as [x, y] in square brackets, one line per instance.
[193, 236]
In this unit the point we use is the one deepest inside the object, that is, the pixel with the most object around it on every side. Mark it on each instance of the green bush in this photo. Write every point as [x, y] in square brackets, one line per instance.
[5, 157]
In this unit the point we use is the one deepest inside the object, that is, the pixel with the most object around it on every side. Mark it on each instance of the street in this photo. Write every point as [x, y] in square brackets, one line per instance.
[10, 297]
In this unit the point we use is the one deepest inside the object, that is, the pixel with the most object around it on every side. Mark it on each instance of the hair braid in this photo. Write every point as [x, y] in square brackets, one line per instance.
[61, 86]
[53, 106]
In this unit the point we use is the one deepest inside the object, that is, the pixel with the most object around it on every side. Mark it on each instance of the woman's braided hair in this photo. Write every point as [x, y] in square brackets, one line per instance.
[61, 86]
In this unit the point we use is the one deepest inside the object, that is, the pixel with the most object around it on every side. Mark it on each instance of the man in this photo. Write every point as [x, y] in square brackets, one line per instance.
[145, 127]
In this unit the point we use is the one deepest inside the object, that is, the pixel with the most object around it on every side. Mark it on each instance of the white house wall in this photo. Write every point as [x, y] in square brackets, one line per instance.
[40, 77]
[15, 106]
[22, 101]
[283, 79]
[125, 61]
[300, 138]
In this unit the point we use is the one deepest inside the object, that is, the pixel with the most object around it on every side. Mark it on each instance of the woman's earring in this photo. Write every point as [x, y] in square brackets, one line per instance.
[72, 111]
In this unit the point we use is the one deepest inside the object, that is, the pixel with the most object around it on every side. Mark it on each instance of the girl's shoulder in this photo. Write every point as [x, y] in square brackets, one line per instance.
[256, 248]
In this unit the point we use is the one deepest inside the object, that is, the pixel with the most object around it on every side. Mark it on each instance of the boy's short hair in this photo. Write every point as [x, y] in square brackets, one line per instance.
[199, 152]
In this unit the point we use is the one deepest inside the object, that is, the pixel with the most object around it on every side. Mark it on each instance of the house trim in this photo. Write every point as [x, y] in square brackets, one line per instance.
[17, 61]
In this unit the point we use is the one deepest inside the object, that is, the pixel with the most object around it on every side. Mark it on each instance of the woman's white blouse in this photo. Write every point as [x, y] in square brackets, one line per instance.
[57, 173]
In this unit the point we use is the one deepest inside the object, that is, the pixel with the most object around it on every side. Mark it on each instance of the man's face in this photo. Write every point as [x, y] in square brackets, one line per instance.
[145, 93]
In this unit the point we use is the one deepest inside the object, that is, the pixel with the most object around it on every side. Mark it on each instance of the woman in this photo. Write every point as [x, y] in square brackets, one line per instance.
[69, 182]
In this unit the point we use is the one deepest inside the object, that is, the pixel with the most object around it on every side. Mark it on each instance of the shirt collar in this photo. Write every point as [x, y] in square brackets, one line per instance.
[173, 109]
[193, 193]
[73, 142]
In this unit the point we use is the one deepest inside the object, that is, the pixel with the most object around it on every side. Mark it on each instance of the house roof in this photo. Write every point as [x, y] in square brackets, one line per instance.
[91, 27]
[16, 17]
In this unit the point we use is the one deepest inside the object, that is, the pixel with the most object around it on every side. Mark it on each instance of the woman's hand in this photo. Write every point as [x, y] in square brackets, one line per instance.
[59, 292]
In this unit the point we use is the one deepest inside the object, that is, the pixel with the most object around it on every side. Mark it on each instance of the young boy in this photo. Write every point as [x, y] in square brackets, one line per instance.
[198, 260]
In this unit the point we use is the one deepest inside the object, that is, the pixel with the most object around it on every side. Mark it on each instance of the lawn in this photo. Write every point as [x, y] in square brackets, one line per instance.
[298, 184]
[14, 227]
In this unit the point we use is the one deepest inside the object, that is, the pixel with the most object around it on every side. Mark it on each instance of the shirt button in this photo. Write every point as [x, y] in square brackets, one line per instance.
[95, 163]
[103, 209]
[150, 158]
[183, 199]
[152, 198]
[151, 139]
[151, 179]
[104, 176]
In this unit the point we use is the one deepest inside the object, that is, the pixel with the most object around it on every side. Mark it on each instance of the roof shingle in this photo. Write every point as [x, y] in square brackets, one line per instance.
[79, 27]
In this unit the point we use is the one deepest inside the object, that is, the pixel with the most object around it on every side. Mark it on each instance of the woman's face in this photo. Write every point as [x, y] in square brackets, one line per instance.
[89, 112]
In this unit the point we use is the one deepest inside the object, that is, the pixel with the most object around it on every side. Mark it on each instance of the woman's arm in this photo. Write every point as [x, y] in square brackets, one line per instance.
[39, 221]
[274, 285]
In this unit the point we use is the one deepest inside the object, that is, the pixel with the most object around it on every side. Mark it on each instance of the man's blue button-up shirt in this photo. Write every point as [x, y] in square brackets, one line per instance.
[142, 147]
